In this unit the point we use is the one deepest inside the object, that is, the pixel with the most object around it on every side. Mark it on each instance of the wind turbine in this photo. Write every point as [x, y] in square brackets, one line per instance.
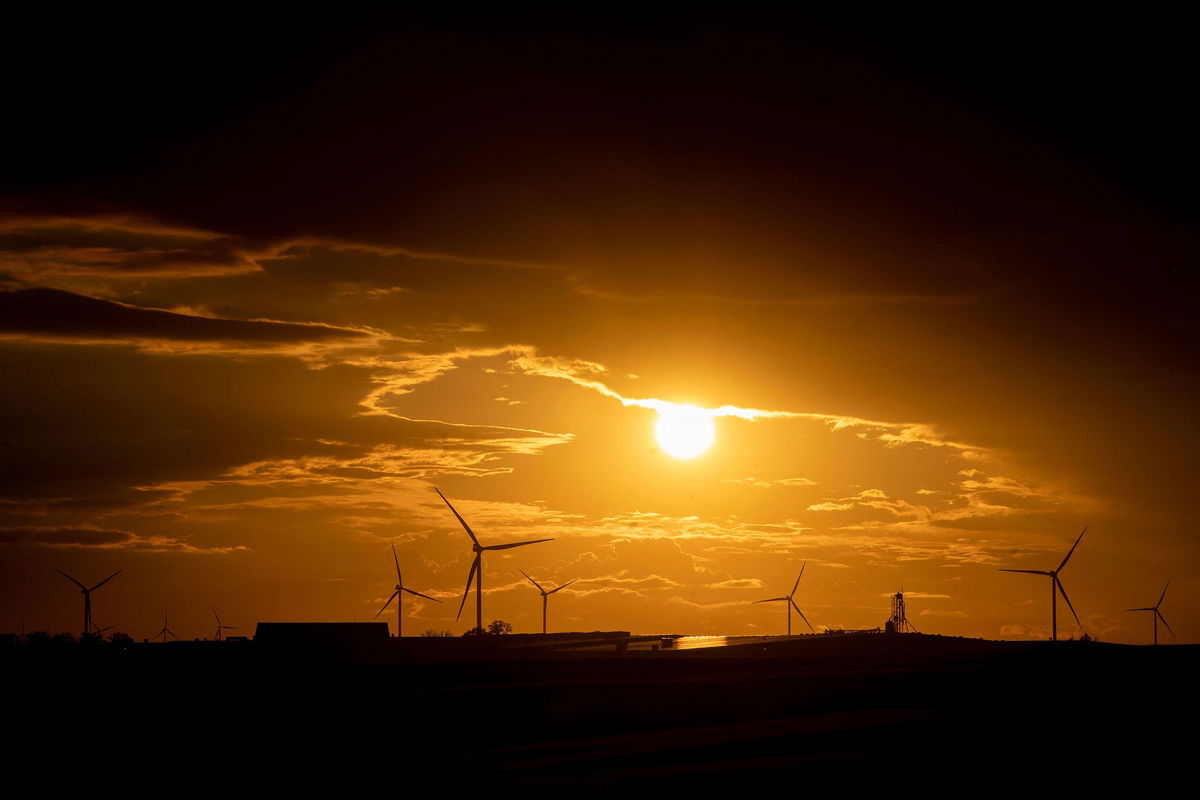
[218, 635]
[477, 564]
[1157, 614]
[400, 587]
[165, 632]
[1056, 584]
[545, 594]
[790, 603]
[87, 597]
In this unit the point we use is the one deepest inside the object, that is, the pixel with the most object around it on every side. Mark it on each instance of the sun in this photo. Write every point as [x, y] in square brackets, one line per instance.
[684, 431]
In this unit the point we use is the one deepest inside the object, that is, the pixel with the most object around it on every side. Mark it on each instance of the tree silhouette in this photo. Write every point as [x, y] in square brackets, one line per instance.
[498, 627]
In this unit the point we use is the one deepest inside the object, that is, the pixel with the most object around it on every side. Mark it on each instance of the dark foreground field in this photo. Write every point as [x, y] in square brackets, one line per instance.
[939, 716]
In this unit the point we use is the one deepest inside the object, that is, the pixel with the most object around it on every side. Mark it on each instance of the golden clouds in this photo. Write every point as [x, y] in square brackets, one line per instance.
[315, 410]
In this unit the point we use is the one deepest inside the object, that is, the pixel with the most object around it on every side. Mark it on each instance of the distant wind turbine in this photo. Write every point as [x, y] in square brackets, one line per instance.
[398, 597]
[545, 594]
[1157, 614]
[87, 597]
[165, 632]
[1055, 587]
[476, 572]
[218, 635]
[790, 603]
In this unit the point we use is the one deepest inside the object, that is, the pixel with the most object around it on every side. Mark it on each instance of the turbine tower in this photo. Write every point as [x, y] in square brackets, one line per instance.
[400, 587]
[87, 597]
[1055, 587]
[218, 635]
[476, 572]
[545, 594]
[165, 632]
[790, 603]
[1157, 614]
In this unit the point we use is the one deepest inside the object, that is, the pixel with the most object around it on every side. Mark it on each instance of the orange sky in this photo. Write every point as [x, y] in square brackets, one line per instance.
[239, 357]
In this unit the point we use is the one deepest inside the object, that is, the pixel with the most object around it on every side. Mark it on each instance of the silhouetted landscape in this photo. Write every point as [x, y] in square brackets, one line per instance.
[865, 709]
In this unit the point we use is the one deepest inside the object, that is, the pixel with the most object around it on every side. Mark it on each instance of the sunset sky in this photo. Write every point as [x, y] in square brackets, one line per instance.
[266, 282]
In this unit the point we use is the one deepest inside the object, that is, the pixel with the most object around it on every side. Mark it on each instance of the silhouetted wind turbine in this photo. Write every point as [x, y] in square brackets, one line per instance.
[1157, 614]
[400, 587]
[87, 597]
[218, 635]
[477, 564]
[545, 594]
[791, 603]
[1055, 583]
[165, 632]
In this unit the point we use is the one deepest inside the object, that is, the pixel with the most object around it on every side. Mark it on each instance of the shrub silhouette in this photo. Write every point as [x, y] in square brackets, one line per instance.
[498, 627]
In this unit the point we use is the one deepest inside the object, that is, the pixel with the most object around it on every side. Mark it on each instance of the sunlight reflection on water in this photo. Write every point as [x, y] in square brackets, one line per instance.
[694, 642]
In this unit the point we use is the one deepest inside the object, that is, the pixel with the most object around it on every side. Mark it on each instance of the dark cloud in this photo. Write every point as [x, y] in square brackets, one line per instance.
[59, 314]
[51, 536]
[32, 247]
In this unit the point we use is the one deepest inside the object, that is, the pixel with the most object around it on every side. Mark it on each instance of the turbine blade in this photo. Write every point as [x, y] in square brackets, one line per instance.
[1161, 596]
[218, 616]
[106, 580]
[565, 585]
[1138, 609]
[796, 585]
[514, 544]
[1164, 622]
[801, 613]
[1027, 571]
[385, 605]
[1072, 550]
[1058, 583]
[418, 594]
[68, 577]
[399, 580]
[531, 580]
[462, 521]
[470, 577]
[773, 600]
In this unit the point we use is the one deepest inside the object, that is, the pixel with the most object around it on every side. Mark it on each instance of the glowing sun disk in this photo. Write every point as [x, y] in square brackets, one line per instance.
[684, 431]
